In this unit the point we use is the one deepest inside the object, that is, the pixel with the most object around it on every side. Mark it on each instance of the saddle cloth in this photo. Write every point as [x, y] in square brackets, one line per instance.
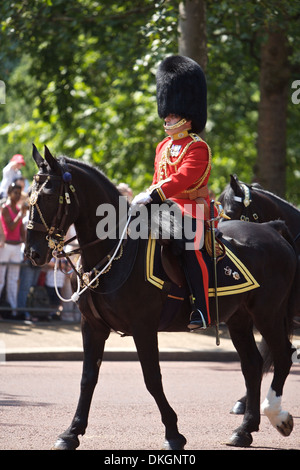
[233, 277]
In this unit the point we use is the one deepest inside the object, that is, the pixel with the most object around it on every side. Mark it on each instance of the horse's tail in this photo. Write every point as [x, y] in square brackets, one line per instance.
[293, 304]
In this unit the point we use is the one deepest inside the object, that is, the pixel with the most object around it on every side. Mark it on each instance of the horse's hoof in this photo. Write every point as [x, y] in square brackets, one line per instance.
[238, 408]
[175, 444]
[240, 439]
[66, 444]
[286, 427]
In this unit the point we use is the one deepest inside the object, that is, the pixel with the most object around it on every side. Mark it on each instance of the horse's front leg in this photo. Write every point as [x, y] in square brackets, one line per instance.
[94, 337]
[147, 348]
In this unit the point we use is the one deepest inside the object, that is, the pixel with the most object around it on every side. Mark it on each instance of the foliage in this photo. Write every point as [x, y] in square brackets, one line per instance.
[90, 91]
[235, 33]
[80, 78]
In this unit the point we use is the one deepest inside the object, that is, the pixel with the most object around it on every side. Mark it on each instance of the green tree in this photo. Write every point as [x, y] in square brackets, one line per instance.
[81, 78]
[92, 64]
[251, 91]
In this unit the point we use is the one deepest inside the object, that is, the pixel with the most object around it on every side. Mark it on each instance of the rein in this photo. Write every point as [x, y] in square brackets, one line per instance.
[112, 256]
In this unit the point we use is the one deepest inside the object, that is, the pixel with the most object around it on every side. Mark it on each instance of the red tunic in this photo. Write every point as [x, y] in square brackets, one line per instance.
[182, 166]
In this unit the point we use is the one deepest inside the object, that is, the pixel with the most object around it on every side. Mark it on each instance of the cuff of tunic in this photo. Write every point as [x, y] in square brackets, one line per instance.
[157, 196]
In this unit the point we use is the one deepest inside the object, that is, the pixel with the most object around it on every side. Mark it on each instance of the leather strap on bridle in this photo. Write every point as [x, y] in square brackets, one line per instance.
[55, 233]
[246, 200]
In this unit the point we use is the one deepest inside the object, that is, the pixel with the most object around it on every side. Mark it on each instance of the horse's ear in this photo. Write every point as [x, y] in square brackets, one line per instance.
[52, 162]
[234, 183]
[37, 156]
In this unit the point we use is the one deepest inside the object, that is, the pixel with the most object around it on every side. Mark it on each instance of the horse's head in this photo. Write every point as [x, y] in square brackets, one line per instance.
[232, 197]
[236, 199]
[50, 213]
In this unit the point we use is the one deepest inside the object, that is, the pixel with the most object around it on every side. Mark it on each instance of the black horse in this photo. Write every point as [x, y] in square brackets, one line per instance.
[252, 203]
[67, 191]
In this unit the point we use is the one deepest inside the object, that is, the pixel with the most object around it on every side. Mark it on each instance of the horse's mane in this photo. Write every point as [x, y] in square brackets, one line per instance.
[90, 168]
[257, 188]
[273, 196]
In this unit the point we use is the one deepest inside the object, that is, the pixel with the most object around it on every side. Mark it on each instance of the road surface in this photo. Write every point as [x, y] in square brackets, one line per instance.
[38, 400]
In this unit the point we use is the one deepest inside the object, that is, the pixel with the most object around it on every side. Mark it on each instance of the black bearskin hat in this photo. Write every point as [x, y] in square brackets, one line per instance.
[181, 90]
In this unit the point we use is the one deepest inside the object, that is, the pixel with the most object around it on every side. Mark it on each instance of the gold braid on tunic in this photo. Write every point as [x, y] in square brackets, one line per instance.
[165, 161]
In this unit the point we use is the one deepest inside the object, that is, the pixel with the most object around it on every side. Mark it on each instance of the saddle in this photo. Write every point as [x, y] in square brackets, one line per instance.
[171, 261]
[171, 266]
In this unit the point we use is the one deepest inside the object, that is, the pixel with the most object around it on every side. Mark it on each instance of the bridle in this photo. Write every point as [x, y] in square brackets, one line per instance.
[247, 214]
[55, 234]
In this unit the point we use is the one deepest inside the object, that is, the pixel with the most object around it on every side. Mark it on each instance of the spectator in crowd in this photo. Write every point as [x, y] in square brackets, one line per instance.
[2, 236]
[10, 254]
[24, 185]
[10, 172]
[55, 301]
[29, 274]
[125, 190]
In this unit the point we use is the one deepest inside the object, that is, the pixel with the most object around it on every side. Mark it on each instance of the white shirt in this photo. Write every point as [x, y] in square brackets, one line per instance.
[9, 175]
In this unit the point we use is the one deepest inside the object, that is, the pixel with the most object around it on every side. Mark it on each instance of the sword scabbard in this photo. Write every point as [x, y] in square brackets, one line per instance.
[214, 259]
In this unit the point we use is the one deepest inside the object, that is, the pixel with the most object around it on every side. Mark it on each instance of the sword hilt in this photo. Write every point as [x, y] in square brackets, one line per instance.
[212, 210]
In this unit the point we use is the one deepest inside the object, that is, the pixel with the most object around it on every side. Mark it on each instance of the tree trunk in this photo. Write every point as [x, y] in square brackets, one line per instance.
[192, 31]
[271, 144]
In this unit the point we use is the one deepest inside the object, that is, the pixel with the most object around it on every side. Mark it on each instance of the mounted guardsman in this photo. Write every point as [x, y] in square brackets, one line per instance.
[183, 165]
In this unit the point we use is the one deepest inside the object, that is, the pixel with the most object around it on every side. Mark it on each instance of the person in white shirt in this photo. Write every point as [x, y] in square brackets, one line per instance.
[11, 172]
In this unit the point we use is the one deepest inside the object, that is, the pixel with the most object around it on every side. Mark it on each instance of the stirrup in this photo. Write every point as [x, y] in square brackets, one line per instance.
[197, 324]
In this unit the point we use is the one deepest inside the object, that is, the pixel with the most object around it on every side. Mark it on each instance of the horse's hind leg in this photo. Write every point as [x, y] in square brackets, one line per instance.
[281, 420]
[241, 332]
[281, 351]
[240, 405]
[147, 348]
[93, 343]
